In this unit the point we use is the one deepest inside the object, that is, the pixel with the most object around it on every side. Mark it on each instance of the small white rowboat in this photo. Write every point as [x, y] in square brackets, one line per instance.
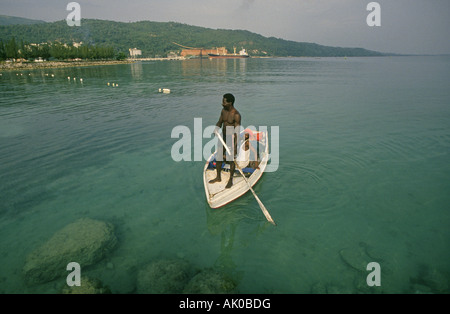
[216, 193]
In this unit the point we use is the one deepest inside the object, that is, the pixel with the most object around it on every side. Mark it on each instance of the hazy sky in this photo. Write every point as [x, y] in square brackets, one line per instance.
[407, 26]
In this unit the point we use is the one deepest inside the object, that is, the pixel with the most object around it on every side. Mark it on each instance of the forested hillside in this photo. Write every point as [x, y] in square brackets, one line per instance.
[156, 38]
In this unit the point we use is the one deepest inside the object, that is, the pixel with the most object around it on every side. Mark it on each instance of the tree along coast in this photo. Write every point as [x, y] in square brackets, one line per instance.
[26, 65]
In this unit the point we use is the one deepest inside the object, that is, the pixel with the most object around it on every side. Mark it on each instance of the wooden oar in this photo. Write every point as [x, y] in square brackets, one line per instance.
[261, 205]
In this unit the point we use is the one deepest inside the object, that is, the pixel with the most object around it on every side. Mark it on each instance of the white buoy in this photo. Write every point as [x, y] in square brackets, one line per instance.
[117, 84]
[81, 80]
[74, 78]
[160, 90]
[53, 75]
[68, 77]
[108, 83]
[166, 91]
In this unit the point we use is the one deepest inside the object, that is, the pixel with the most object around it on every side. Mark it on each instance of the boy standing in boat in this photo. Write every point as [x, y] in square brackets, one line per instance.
[229, 119]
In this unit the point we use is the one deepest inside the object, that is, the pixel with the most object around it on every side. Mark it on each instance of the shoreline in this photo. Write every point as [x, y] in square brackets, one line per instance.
[4, 66]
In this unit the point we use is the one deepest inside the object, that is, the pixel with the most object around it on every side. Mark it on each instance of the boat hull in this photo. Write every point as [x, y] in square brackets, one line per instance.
[216, 194]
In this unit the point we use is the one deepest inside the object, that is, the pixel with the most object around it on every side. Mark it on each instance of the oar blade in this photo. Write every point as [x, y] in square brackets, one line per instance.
[264, 209]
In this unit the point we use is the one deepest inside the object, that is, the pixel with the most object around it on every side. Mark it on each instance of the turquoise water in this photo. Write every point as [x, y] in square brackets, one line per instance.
[363, 173]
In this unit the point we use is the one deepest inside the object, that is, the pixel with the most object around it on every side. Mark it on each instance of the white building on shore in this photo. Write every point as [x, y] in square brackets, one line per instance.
[134, 52]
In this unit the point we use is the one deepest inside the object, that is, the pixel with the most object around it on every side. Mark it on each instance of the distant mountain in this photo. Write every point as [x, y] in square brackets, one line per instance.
[14, 20]
[157, 38]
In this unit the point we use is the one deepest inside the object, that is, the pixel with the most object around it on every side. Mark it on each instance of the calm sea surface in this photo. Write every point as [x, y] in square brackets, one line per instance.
[363, 176]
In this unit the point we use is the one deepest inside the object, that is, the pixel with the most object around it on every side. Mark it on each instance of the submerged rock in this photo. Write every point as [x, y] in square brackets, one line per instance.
[210, 281]
[86, 241]
[319, 288]
[435, 280]
[165, 276]
[88, 286]
[421, 289]
[356, 258]
[439, 281]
